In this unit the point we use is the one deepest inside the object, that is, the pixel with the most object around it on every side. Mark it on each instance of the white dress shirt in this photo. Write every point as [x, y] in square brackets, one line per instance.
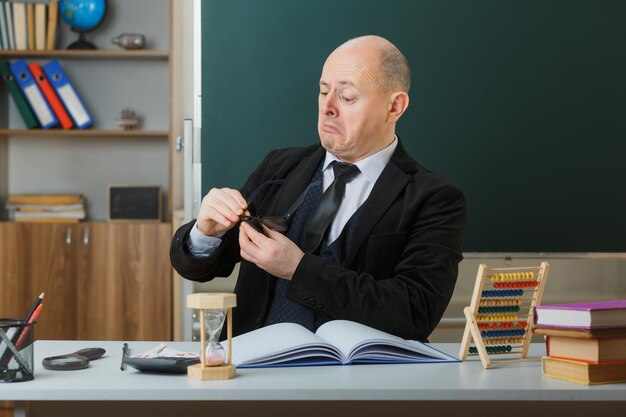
[356, 193]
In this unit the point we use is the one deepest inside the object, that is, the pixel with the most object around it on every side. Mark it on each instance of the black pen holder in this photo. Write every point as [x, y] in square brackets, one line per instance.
[16, 350]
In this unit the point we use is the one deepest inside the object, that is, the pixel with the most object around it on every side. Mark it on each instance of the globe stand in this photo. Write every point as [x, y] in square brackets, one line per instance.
[204, 302]
[82, 42]
[82, 16]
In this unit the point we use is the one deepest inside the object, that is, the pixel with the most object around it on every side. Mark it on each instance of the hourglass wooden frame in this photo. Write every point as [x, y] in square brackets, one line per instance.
[210, 301]
[500, 315]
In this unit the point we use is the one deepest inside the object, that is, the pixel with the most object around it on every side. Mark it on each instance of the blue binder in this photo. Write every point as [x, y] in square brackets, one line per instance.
[33, 94]
[68, 95]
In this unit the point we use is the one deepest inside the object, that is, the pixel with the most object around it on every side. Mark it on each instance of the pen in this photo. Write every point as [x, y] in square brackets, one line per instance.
[124, 356]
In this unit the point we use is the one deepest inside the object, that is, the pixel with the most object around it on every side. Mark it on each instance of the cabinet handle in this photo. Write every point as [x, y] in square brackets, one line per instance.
[86, 236]
[68, 236]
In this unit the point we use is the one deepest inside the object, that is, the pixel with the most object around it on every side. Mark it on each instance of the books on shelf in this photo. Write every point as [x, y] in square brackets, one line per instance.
[44, 95]
[585, 342]
[51, 30]
[19, 26]
[38, 208]
[46, 207]
[337, 342]
[30, 18]
[3, 29]
[40, 27]
[8, 21]
[28, 24]
[48, 219]
[46, 199]
[587, 315]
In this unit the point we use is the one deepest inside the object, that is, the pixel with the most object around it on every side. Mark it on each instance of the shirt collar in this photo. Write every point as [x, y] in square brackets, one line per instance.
[372, 166]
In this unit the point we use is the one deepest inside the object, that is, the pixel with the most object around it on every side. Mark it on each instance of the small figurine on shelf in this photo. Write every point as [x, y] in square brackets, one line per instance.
[127, 120]
[130, 40]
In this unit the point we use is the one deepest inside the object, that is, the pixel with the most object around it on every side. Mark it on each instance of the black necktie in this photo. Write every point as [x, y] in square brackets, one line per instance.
[329, 204]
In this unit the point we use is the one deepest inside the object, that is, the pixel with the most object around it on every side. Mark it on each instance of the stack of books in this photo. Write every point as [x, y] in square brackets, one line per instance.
[64, 208]
[585, 342]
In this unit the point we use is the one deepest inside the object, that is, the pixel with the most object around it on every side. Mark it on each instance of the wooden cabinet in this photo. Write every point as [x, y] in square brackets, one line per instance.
[36, 258]
[124, 284]
[102, 280]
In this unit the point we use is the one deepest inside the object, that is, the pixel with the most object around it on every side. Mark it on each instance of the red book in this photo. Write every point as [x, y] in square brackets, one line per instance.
[51, 96]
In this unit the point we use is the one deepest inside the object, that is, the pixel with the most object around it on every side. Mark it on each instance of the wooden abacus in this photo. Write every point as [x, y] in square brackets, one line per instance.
[499, 317]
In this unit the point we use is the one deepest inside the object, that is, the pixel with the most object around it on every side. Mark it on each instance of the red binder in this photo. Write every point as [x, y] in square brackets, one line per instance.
[51, 96]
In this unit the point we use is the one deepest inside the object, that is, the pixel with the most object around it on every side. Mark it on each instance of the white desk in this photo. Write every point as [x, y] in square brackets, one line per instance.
[381, 390]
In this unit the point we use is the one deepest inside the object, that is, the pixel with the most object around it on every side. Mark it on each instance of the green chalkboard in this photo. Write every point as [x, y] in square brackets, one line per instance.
[522, 104]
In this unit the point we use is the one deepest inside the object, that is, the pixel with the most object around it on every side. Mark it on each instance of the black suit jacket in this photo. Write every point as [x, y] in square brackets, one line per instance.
[397, 276]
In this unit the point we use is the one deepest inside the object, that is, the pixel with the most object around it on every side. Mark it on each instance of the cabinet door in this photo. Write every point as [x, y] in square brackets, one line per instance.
[125, 282]
[36, 258]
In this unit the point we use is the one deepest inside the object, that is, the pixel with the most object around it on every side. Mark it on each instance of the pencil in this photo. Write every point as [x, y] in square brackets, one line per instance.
[38, 301]
[21, 340]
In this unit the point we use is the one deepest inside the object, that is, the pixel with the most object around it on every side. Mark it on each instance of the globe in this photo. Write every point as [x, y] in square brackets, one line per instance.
[82, 16]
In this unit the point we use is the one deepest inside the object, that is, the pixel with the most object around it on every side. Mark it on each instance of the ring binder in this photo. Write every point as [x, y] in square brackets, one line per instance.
[33, 94]
[68, 95]
[51, 96]
[22, 106]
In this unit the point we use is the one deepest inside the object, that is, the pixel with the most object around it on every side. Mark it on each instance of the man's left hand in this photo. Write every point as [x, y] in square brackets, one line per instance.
[274, 253]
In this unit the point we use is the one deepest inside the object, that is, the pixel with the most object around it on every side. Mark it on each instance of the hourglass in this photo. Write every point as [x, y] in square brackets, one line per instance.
[214, 309]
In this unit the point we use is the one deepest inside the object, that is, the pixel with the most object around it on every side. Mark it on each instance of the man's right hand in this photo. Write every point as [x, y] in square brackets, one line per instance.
[220, 211]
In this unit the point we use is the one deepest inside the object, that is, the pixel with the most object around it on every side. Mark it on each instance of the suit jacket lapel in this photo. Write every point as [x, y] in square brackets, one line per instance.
[391, 182]
[296, 181]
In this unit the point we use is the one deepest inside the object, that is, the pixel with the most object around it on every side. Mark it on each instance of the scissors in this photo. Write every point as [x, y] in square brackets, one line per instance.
[72, 361]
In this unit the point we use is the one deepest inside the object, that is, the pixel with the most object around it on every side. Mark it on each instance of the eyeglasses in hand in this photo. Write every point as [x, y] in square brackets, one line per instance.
[275, 223]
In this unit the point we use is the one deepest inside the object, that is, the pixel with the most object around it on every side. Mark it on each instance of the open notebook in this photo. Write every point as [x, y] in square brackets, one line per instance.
[338, 342]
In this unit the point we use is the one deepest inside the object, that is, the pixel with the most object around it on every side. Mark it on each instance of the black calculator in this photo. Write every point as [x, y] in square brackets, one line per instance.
[162, 365]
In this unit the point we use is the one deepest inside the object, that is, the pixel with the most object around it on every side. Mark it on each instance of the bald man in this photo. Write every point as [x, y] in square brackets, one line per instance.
[351, 228]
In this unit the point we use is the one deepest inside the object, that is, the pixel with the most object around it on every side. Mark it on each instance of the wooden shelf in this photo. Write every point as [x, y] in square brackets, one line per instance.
[84, 133]
[88, 54]
[110, 79]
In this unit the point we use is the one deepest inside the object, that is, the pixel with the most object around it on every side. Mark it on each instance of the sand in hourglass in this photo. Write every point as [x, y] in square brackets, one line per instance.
[214, 353]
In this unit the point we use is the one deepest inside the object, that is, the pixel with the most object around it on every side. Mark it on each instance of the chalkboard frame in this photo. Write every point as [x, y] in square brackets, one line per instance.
[134, 203]
[519, 103]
